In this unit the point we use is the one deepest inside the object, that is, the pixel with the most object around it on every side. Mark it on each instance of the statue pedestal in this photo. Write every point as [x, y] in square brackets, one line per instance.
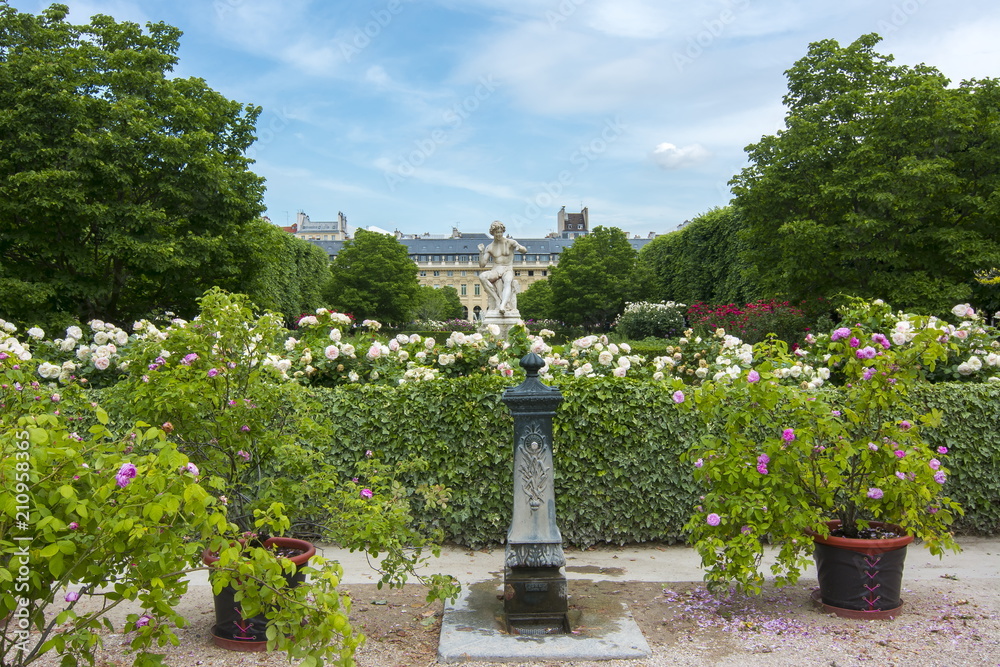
[504, 322]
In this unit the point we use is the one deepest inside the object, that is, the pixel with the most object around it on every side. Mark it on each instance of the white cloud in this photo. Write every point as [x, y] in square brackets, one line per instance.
[670, 156]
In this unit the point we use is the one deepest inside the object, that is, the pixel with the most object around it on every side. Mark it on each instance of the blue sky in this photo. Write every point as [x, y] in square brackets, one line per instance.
[423, 115]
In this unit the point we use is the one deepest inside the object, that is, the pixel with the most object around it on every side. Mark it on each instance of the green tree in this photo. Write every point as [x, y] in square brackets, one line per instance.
[594, 278]
[535, 303]
[277, 271]
[702, 261]
[882, 184]
[372, 277]
[119, 186]
[437, 303]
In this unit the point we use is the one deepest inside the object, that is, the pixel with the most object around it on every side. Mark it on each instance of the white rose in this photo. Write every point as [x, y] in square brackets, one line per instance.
[36, 333]
[74, 332]
[101, 363]
[335, 335]
[331, 352]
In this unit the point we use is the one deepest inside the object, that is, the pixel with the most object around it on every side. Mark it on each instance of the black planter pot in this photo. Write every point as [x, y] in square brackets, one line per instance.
[861, 578]
[231, 629]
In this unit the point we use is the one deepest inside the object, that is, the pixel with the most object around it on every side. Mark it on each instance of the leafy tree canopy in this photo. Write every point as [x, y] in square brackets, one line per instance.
[119, 187]
[883, 184]
[437, 303]
[702, 261]
[373, 277]
[594, 278]
[535, 303]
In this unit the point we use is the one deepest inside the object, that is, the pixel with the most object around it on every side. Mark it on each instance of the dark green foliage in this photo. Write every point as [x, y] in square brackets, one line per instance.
[373, 278]
[535, 303]
[437, 303]
[617, 443]
[277, 271]
[882, 184]
[970, 429]
[703, 261]
[120, 189]
[594, 278]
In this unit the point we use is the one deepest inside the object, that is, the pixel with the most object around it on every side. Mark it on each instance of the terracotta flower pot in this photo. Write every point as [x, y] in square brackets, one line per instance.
[860, 578]
[231, 630]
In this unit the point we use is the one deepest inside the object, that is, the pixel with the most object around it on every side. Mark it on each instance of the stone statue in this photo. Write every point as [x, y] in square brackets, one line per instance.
[499, 282]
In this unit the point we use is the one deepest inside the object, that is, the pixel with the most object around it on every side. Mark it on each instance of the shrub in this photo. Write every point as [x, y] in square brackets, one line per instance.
[752, 322]
[650, 320]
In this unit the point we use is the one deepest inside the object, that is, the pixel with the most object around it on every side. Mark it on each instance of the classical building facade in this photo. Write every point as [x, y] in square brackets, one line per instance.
[333, 230]
[454, 260]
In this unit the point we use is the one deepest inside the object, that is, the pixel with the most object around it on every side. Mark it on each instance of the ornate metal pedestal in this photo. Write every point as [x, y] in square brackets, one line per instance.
[534, 583]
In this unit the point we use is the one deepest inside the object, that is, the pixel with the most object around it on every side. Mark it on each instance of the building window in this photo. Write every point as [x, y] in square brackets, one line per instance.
[450, 274]
[517, 273]
[463, 274]
[435, 258]
[531, 273]
[423, 258]
[465, 312]
[545, 273]
[449, 258]
[437, 274]
[423, 274]
[463, 290]
[463, 258]
[477, 311]
[475, 291]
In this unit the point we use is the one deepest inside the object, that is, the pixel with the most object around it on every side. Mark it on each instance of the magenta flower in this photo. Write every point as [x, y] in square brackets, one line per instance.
[73, 525]
[881, 340]
[872, 446]
[678, 396]
[713, 519]
[869, 372]
[899, 453]
[245, 428]
[143, 621]
[842, 332]
[763, 459]
[189, 358]
[366, 493]
[125, 474]
[901, 475]
[866, 353]
[243, 455]
[191, 468]
[369, 453]
[72, 596]
[762, 468]
[212, 372]
[934, 464]
[854, 342]
[942, 450]
[699, 463]
[753, 376]
[788, 434]
[746, 530]
[905, 425]
[940, 477]
[875, 493]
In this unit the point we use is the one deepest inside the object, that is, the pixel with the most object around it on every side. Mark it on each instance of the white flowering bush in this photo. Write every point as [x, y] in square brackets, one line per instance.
[646, 319]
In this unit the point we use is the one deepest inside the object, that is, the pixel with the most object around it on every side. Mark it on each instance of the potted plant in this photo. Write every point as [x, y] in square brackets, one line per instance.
[784, 464]
[216, 386]
[89, 513]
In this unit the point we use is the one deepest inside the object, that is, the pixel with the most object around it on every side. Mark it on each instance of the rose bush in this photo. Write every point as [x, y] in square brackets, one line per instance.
[778, 459]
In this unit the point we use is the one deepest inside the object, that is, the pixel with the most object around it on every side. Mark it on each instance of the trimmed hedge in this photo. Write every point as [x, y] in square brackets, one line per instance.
[617, 442]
